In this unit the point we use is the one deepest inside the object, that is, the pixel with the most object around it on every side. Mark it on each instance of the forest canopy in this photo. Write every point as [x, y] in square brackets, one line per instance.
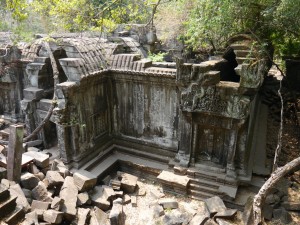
[198, 24]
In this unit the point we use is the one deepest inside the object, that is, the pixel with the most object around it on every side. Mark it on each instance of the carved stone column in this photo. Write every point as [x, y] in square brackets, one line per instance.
[185, 138]
[231, 145]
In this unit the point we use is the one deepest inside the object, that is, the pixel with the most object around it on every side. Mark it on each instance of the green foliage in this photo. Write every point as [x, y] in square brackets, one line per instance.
[159, 57]
[212, 22]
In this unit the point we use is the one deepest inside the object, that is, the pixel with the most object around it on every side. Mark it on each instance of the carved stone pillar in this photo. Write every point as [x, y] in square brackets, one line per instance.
[231, 145]
[185, 138]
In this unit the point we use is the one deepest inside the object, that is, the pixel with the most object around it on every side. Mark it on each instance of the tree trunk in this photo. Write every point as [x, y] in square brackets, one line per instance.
[260, 198]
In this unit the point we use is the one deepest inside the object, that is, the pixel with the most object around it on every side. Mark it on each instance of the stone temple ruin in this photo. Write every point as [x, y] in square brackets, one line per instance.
[116, 108]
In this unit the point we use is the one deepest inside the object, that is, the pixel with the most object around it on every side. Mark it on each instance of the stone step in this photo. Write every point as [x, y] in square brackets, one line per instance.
[7, 207]
[204, 183]
[4, 193]
[196, 187]
[41, 60]
[16, 216]
[239, 47]
[199, 195]
[241, 60]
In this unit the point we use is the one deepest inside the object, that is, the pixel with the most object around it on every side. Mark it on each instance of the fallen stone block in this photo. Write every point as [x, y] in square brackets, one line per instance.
[175, 216]
[116, 215]
[98, 217]
[215, 204]
[126, 199]
[168, 203]
[53, 216]
[157, 211]
[133, 201]
[293, 206]
[39, 205]
[82, 216]
[173, 179]
[119, 194]
[68, 193]
[199, 219]
[16, 191]
[40, 193]
[101, 196]
[57, 203]
[84, 180]
[31, 218]
[40, 175]
[83, 199]
[29, 181]
[247, 217]
[128, 182]
[40, 159]
[115, 184]
[27, 193]
[54, 179]
[224, 222]
[226, 214]
[157, 194]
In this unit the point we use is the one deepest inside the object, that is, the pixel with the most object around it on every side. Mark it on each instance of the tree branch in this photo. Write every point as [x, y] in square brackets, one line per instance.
[259, 199]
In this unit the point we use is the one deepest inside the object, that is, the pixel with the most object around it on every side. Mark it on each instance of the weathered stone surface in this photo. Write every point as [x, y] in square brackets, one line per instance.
[156, 194]
[40, 193]
[83, 198]
[224, 222]
[53, 216]
[39, 205]
[176, 181]
[128, 182]
[31, 218]
[294, 206]
[175, 217]
[226, 214]
[199, 219]
[267, 211]
[84, 180]
[27, 193]
[215, 204]
[116, 215]
[168, 203]
[40, 159]
[126, 199]
[57, 203]
[115, 184]
[282, 215]
[68, 193]
[101, 196]
[40, 175]
[82, 216]
[29, 181]
[272, 199]
[157, 210]
[98, 217]
[133, 201]
[16, 191]
[247, 217]
[54, 178]
[141, 191]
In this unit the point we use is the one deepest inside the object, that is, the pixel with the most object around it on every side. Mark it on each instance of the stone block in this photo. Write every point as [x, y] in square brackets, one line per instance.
[83, 199]
[84, 180]
[226, 214]
[54, 179]
[16, 191]
[215, 204]
[157, 211]
[157, 194]
[98, 217]
[82, 216]
[101, 196]
[168, 203]
[40, 193]
[57, 203]
[53, 216]
[39, 205]
[126, 199]
[29, 181]
[173, 179]
[133, 201]
[33, 93]
[199, 219]
[116, 215]
[40, 159]
[128, 182]
[68, 193]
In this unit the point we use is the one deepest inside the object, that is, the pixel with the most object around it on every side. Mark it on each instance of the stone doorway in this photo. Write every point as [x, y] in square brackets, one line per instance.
[210, 146]
[50, 135]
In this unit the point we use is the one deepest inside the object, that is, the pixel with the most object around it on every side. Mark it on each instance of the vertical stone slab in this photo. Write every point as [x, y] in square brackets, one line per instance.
[14, 155]
[185, 137]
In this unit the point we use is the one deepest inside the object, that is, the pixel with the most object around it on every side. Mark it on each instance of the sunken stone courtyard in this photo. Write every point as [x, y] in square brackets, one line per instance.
[128, 141]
